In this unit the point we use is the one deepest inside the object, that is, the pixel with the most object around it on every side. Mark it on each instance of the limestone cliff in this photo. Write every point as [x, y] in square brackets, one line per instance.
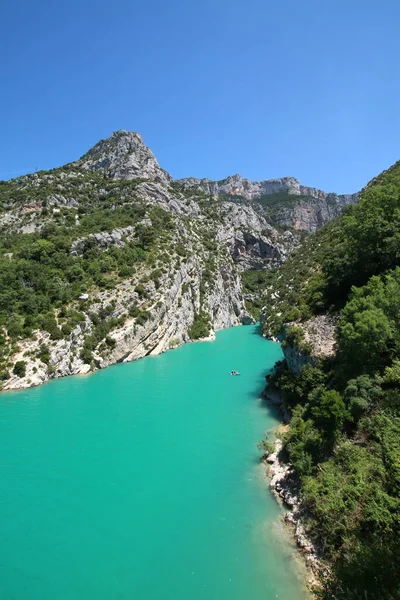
[286, 202]
[316, 340]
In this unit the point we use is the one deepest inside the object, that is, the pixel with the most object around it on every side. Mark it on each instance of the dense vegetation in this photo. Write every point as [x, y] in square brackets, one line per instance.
[200, 327]
[344, 437]
[253, 281]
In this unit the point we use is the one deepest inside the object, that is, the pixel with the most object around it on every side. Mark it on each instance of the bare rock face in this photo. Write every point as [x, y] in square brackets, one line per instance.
[300, 207]
[313, 211]
[116, 237]
[319, 335]
[123, 156]
[255, 251]
[253, 242]
[236, 185]
[167, 198]
[319, 332]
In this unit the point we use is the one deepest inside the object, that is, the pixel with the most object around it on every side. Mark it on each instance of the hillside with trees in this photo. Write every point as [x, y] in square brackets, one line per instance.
[344, 435]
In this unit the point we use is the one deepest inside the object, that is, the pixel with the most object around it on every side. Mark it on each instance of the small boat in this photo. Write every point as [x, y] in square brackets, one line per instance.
[234, 373]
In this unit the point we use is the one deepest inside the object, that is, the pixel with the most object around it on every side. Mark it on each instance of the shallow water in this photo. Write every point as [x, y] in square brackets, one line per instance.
[142, 481]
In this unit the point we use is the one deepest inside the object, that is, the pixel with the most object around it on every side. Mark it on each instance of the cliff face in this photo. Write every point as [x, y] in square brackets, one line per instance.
[188, 240]
[311, 212]
[318, 341]
[236, 185]
[286, 202]
[171, 309]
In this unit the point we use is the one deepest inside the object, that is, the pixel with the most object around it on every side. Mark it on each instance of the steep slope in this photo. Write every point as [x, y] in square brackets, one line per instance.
[108, 259]
[335, 306]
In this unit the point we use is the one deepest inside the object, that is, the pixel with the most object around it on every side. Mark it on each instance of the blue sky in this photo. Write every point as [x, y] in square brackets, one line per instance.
[216, 87]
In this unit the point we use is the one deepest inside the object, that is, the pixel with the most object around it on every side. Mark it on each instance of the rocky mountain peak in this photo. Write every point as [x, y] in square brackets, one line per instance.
[123, 155]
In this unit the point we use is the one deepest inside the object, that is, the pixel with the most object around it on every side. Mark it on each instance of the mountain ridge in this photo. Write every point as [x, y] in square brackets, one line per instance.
[236, 185]
[105, 153]
[125, 156]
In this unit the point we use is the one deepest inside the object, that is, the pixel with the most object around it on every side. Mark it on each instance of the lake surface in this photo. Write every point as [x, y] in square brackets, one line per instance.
[143, 482]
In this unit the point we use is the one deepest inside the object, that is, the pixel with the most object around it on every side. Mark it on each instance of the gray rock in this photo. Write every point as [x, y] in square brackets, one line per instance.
[103, 240]
[313, 209]
[247, 319]
[123, 156]
[236, 185]
[319, 333]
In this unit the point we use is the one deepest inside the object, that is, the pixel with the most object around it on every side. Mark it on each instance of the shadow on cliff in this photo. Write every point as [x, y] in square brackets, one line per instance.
[258, 394]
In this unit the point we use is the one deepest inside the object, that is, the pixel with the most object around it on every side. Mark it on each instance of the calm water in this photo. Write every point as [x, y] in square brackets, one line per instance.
[142, 482]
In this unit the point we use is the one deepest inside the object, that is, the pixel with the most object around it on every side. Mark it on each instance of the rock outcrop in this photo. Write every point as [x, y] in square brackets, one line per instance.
[318, 337]
[253, 242]
[123, 156]
[312, 212]
[236, 185]
[290, 204]
[116, 237]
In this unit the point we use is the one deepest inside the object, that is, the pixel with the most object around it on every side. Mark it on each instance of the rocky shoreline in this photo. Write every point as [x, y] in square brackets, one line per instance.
[285, 486]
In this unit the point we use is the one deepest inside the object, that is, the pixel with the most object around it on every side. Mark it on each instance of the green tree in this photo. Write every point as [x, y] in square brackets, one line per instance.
[329, 412]
[20, 368]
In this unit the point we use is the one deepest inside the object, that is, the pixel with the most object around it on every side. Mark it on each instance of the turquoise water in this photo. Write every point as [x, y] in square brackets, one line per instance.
[142, 482]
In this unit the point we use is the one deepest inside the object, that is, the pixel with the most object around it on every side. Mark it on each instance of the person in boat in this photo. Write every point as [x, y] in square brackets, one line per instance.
[234, 373]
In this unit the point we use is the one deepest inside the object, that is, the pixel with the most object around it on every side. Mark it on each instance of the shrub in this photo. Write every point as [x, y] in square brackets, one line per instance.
[140, 290]
[329, 411]
[111, 343]
[44, 354]
[86, 355]
[66, 329]
[266, 446]
[142, 317]
[200, 327]
[20, 368]
[134, 311]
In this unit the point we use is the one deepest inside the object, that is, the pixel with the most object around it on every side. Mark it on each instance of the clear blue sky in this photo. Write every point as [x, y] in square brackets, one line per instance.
[216, 87]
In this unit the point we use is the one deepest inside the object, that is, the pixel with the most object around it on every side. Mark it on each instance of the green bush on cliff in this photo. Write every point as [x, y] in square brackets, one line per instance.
[20, 368]
[200, 327]
[294, 336]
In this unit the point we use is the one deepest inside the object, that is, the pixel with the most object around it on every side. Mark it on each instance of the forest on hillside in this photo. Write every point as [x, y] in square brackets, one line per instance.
[344, 436]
